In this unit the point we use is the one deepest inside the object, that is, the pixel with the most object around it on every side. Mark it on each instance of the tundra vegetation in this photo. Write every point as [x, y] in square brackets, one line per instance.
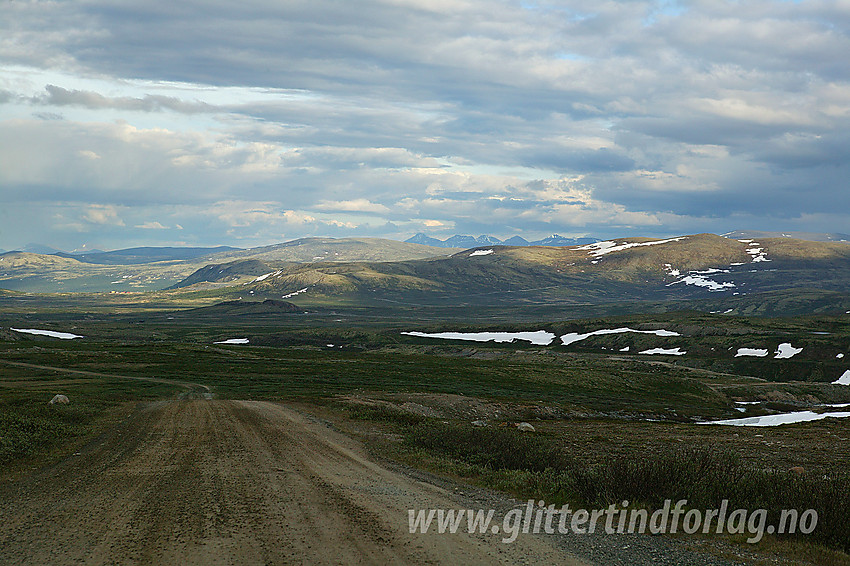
[610, 424]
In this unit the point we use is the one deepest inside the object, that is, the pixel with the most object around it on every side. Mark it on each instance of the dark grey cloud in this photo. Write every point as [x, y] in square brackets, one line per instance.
[58, 96]
[803, 150]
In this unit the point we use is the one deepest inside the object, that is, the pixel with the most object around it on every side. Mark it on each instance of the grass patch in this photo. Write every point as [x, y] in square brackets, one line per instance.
[383, 414]
[29, 426]
[540, 466]
[489, 448]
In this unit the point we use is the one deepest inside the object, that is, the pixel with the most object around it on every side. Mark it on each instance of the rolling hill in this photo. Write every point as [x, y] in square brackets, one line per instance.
[337, 249]
[146, 269]
[811, 236]
[766, 276]
[228, 309]
[695, 267]
[134, 256]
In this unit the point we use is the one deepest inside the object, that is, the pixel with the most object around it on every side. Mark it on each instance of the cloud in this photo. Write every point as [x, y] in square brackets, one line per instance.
[102, 214]
[151, 226]
[504, 117]
[121, 164]
[356, 205]
[58, 96]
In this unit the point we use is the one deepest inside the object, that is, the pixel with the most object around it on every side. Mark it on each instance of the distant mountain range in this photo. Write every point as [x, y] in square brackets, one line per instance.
[756, 276]
[752, 277]
[154, 268]
[129, 256]
[466, 242]
[136, 256]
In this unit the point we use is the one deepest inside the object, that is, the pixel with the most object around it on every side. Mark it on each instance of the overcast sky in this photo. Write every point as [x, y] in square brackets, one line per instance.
[203, 122]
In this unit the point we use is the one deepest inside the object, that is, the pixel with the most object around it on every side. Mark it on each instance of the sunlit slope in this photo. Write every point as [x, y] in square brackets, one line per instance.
[106, 272]
[695, 266]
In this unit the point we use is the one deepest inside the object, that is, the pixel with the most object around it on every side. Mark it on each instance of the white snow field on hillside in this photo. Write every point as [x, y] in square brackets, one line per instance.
[233, 341]
[785, 351]
[539, 337]
[776, 420]
[755, 352]
[601, 248]
[573, 337]
[699, 278]
[664, 352]
[266, 276]
[50, 333]
[758, 254]
[481, 252]
[294, 293]
[844, 379]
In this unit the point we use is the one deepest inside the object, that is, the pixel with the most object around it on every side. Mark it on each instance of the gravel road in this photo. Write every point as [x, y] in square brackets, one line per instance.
[232, 482]
[196, 481]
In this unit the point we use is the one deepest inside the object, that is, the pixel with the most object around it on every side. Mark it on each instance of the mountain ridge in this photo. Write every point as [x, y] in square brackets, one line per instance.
[148, 269]
[466, 241]
[700, 266]
[144, 254]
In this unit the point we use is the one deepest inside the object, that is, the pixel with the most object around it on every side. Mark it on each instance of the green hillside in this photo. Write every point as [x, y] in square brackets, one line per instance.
[702, 267]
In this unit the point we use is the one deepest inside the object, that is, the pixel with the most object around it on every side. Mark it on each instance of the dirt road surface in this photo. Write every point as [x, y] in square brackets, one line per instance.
[234, 482]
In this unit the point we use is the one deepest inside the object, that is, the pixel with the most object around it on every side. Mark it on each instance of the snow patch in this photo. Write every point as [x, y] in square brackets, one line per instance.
[785, 351]
[601, 248]
[539, 337]
[699, 279]
[776, 420]
[233, 341]
[266, 276]
[673, 272]
[481, 252]
[755, 352]
[298, 292]
[665, 351]
[702, 281]
[572, 337]
[758, 254]
[844, 379]
[50, 333]
[839, 356]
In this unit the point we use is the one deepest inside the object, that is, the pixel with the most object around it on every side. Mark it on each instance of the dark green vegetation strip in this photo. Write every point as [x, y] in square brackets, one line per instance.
[291, 373]
[542, 467]
[31, 428]
[28, 425]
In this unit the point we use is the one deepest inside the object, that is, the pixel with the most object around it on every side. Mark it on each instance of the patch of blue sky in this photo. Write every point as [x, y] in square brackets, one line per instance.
[568, 56]
[549, 8]
[30, 82]
[664, 8]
